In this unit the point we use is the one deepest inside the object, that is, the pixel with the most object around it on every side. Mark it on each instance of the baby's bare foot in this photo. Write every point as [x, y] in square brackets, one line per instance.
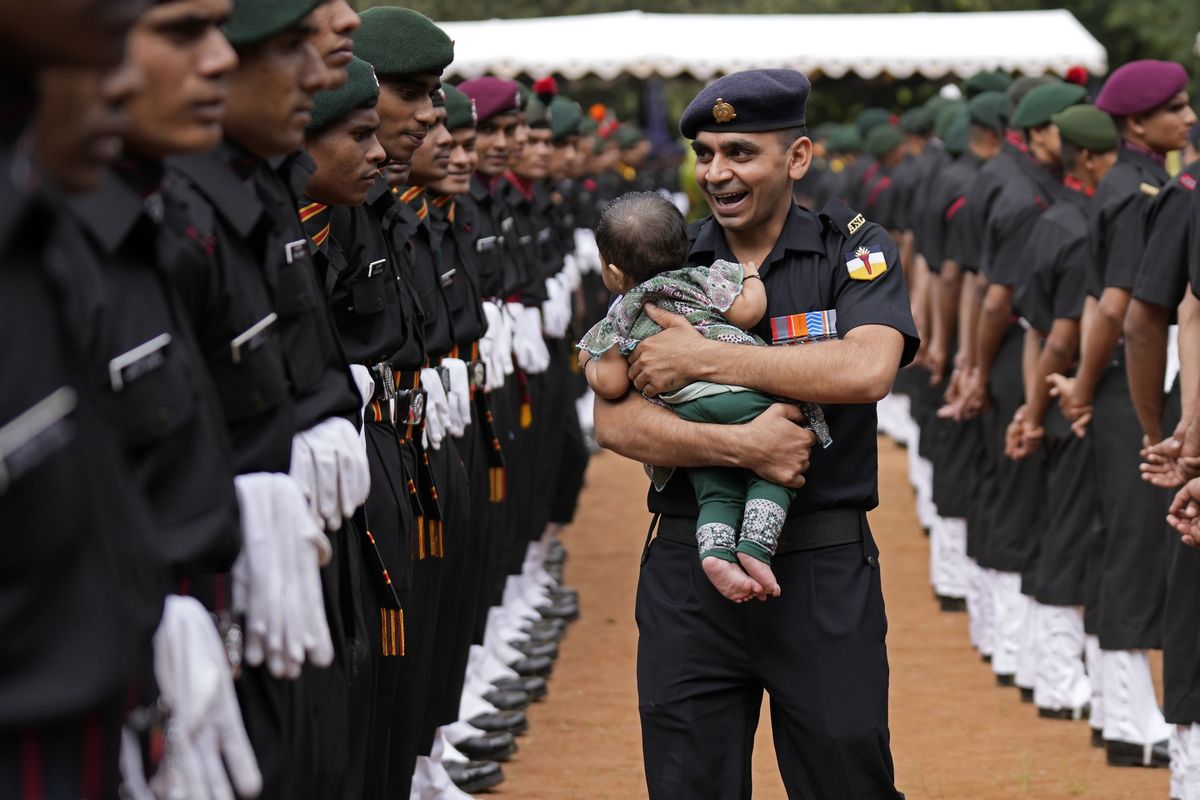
[729, 579]
[760, 572]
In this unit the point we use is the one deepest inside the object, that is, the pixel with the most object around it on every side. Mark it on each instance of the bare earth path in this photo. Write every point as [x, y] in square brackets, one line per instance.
[955, 735]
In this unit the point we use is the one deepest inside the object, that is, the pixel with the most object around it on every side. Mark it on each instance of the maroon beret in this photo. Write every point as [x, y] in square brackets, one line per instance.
[492, 96]
[1141, 86]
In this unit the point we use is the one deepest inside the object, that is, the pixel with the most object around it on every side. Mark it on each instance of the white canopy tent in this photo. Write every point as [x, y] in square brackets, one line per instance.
[706, 45]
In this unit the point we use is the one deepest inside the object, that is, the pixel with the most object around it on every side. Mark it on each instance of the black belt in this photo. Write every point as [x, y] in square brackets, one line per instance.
[827, 528]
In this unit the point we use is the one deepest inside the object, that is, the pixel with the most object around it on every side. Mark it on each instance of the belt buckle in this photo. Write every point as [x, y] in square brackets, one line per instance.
[385, 380]
[478, 373]
[410, 407]
[444, 375]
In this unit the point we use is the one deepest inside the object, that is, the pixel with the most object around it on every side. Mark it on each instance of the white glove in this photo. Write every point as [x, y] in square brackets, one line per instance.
[570, 275]
[489, 346]
[460, 392]
[365, 382]
[504, 352]
[205, 734]
[536, 353]
[552, 308]
[436, 408]
[277, 578]
[329, 460]
[587, 255]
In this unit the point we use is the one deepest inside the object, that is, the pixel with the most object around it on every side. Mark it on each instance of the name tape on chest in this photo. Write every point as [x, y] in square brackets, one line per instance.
[866, 263]
[135, 363]
[35, 435]
[811, 326]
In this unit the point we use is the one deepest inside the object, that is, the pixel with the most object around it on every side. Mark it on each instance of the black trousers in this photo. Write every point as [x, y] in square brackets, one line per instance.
[818, 651]
[64, 759]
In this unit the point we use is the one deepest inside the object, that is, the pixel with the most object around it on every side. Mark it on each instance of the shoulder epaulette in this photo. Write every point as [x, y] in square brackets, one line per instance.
[836, 215]
[1148, 189]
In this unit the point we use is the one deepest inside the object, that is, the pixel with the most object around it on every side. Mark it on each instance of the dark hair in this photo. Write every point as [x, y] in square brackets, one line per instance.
[643, 234]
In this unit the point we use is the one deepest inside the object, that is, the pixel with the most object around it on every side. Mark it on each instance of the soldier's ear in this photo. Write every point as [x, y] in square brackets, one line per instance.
[799, 158]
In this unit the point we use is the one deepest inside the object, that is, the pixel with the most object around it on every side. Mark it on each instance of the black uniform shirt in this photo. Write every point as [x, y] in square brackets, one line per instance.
[1011, 216]
[989, 182]
[81, 580]
[388, 322]
[146, 368]
[800, 277]
[216, 235]
[1057, 253]
[321, 384]
[495, 244]
[453, 235]
[421, 261]
[530, 234]
[882, 200]
[1162, 277]
[943, 210]
[1117, 219]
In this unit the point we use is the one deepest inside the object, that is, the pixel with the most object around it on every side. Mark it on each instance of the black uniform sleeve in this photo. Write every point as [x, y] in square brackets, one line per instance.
[880, 300]
[1008, 237]
[1162, 276]
[1126, 239]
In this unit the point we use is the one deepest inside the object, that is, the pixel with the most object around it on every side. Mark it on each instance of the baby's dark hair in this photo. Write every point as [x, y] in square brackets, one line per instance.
[643, 234]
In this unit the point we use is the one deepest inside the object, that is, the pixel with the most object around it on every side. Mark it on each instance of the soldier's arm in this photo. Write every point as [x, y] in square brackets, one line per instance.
[1146, 362]
[994, 319]
[772, 445]
[1099, 340]
[1056, 356]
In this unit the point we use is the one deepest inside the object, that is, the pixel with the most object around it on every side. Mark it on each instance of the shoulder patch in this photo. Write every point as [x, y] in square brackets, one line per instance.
[1188, 182]
[866, 263]
[1148, 189]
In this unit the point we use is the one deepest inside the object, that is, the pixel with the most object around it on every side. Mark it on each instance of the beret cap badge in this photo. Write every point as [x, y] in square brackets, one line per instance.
[723, 112]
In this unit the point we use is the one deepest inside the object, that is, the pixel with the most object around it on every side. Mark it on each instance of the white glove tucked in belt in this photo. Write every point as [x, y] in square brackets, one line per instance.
[437, 408]
[329, 461]
[208, 753]
[490, 346]
[460, 394]
[277, 577]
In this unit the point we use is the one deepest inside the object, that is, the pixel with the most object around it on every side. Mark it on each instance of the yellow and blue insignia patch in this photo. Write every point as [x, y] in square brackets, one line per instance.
[866, 263]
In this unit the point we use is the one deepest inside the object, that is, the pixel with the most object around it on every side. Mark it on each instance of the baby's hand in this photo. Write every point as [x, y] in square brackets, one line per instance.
[729, 579]
[749, 268]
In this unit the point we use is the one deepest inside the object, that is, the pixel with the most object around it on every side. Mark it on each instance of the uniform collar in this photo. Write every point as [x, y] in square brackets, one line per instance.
[801, 234]
[1143, 159]
[110, 213]
[228, 190]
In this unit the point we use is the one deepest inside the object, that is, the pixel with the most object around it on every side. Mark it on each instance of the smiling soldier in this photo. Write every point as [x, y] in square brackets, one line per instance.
[818, 649]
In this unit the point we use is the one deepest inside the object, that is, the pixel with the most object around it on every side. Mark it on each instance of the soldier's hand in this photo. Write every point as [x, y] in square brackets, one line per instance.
[1184, 514]
[775, 447]
[935, 362]
[663, 362]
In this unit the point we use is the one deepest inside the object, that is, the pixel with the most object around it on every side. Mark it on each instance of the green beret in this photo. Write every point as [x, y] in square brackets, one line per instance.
[1023, 86]
[255, 20]
[1087, 127]
[989, 110]
[957, 132]
[536, 113]
[845, 139]
[400, 41]
[565, 117]
[360, 91]
[1043, 102]
[872, 118]
[460, 109]
[982, 82]
[947, 113]
[917, 121]
[588, 126]
[628, 135]
[823, 131]
[883, 140]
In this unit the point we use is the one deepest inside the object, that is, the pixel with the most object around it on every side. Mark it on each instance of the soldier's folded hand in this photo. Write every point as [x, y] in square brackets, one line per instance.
[661, 362]
[775, 447]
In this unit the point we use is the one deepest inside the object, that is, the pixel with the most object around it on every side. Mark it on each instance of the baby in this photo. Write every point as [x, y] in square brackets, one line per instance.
[642, 240]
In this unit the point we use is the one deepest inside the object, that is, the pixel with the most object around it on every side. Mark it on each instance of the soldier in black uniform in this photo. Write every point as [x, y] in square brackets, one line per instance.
[1051, 300]
[703, 662]
[61, 708]
[1012, 487]
[1153, 119]
[244, 241]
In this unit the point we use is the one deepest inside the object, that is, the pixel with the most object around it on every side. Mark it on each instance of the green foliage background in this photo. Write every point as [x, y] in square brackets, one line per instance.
[1128, 29]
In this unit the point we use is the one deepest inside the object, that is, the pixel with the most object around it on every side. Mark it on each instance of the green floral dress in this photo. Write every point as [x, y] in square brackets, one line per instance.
[701, 294]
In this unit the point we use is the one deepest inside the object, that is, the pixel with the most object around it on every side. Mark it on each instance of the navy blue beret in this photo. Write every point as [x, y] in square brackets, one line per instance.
[754, 100]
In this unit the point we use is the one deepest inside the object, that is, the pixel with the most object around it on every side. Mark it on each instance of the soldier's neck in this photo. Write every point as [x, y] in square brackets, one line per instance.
[756, 243]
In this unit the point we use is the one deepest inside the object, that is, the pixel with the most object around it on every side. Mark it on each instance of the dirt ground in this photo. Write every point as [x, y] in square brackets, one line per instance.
[955, 734]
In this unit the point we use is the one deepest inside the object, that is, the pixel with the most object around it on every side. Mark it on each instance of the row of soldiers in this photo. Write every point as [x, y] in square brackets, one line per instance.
[288, 426]
[1052, 262]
